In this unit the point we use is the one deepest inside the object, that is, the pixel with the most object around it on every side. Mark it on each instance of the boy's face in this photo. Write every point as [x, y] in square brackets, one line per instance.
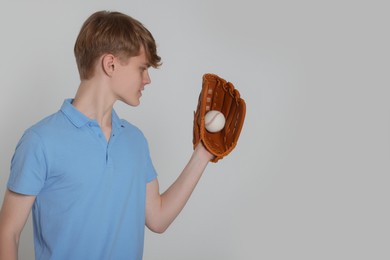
[130, 78]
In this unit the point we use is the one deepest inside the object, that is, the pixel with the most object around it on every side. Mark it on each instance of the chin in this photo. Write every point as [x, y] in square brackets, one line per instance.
[134, 103]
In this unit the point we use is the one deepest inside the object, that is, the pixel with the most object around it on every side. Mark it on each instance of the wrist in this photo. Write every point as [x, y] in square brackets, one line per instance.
[203, 153]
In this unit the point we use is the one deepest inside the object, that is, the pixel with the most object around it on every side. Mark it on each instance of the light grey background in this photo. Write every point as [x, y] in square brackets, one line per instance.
[309, 178]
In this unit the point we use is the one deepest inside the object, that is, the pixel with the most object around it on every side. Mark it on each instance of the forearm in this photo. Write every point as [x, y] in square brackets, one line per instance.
[176, 196]
[173, 200]
[8, 248]
[8, 240]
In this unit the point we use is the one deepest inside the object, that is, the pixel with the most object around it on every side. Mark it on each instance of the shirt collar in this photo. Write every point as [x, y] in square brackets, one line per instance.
[116, 121]
[78, 119]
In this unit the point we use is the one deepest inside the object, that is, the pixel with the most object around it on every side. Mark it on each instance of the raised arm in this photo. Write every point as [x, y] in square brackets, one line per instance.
[13, 217]
[162, 209]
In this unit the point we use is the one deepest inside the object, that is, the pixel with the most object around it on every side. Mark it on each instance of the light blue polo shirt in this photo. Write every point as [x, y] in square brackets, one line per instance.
[90, 193]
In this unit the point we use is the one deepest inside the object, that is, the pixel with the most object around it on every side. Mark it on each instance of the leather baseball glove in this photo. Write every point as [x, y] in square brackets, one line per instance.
[218, 94]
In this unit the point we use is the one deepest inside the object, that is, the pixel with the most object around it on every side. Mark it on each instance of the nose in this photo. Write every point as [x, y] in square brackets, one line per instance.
[147, 79]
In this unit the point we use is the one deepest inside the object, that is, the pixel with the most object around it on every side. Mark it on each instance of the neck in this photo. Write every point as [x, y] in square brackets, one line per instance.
[93, 100]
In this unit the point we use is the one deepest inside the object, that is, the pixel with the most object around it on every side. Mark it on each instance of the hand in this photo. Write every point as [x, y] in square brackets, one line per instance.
[203, 153]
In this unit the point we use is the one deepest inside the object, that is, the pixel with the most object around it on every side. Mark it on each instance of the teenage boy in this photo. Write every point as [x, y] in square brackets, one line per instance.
[85, 173]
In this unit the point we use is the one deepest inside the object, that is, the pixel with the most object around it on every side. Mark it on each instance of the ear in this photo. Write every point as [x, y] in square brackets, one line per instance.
[108, 64]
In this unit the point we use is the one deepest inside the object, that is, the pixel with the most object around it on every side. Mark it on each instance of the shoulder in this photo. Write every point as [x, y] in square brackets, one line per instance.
[131, 128]
[45, 128]
[48, 123]
[132, 132]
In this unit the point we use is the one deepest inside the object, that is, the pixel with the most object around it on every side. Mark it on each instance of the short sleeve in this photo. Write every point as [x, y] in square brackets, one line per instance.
[28, 165]
[151, 173]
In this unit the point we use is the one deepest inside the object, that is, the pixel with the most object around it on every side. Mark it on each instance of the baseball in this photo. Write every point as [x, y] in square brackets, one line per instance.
[214, 121]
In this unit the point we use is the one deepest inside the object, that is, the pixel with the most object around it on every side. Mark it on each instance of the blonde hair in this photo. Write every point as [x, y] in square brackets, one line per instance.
[115, 33]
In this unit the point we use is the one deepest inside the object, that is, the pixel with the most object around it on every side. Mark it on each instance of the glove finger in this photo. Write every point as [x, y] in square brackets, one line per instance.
[240, 117]
[229, 123]
[197, 120]
[218, 95]
[227, 101]
[235, 123]
[196, 133]
[231, 105]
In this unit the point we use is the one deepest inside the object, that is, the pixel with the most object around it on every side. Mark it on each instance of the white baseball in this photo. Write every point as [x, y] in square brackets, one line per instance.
[214, 121]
